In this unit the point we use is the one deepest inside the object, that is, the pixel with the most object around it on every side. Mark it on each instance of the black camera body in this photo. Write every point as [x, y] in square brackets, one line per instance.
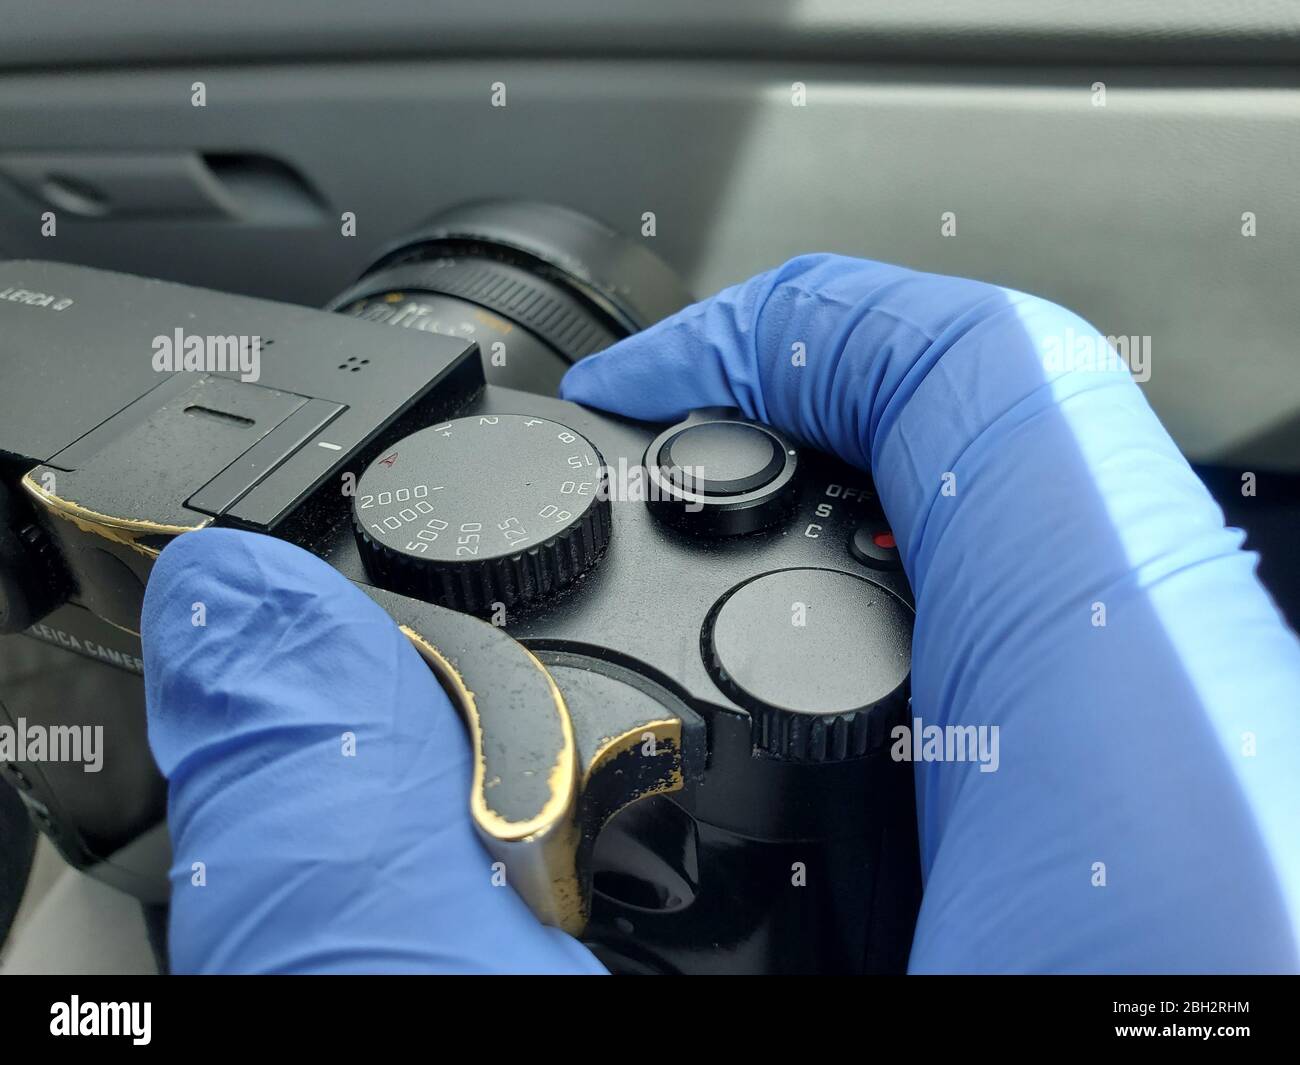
[679, 650]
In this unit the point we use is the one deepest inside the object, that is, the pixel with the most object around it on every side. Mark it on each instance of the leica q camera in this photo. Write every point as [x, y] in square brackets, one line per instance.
[687, 644]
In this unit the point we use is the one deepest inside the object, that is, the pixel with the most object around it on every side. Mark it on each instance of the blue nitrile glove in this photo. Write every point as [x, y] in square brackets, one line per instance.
[313, 858]
[1075, 586]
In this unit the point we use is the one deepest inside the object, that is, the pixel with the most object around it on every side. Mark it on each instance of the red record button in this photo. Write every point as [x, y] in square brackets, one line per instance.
[873, 544]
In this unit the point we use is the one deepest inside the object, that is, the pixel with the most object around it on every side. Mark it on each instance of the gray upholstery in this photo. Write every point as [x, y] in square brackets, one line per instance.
[73, 925]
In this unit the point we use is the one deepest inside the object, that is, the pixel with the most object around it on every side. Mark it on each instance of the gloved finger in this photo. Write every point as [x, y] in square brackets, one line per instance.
[1080, 608]
[318, 779]
[856, 358]
[811, 347]
[701, 356]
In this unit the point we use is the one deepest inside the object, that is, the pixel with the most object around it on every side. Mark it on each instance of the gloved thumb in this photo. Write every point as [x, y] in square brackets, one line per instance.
[318, 779]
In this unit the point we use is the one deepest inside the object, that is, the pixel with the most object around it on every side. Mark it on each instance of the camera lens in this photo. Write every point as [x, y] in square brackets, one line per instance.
[536, 285]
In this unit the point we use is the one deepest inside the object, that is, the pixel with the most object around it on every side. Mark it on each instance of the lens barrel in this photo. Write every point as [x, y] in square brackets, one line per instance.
[538, 286]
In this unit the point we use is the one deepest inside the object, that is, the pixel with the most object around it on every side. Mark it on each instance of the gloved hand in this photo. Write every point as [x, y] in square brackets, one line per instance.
[1075, 586]
[297, 848]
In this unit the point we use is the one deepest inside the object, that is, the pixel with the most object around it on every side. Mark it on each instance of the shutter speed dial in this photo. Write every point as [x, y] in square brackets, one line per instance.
[483, 510]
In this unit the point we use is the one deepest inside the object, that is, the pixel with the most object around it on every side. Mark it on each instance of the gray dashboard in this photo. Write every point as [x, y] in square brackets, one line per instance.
[1131, 212]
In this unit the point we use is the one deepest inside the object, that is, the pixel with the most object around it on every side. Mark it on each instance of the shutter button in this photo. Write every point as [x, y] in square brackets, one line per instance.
[721, 475]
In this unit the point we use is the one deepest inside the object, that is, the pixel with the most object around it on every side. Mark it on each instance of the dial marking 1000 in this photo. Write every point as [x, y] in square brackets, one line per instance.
[418, 506]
